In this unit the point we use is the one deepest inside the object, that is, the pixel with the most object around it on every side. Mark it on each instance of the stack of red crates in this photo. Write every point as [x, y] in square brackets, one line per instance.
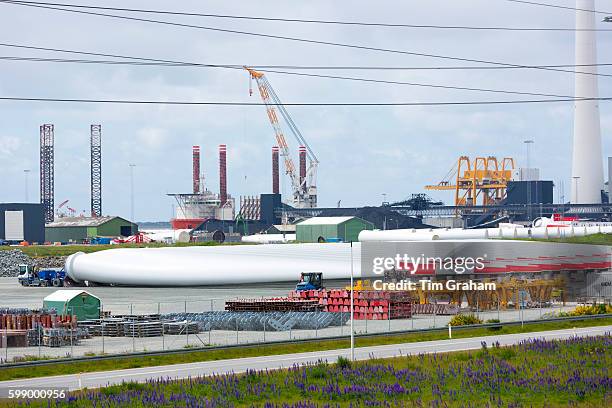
[369, 304]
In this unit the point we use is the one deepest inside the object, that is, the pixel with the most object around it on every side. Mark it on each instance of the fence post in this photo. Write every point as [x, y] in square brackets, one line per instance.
[498, 313]
[133, 328]
[521, 308]
[450, 333]
[102, 325]
[389, 315]
[39, 338]
[71, 346]
[237, 341]
[186, 323]
[162, 324]
[434, 319]
[264, 324]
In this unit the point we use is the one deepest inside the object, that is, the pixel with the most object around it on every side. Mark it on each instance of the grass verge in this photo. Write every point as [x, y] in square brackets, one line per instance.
[193, 356]
[536, 373]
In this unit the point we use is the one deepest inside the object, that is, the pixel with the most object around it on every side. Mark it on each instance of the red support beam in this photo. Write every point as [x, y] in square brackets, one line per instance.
[223, 173]
[196, 169]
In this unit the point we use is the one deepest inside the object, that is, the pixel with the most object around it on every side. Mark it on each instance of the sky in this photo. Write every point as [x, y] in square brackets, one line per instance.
[365, 153]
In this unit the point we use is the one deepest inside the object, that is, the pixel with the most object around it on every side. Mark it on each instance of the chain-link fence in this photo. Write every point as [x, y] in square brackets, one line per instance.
[157, 326]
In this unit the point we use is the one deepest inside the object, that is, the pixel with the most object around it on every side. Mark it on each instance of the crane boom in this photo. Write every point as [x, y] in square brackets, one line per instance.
[304, 191]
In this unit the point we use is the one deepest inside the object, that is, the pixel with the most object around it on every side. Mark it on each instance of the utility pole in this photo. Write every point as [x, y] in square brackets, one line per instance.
[576, 178]
[132, 198]
[528, 144]
[26, 173]
[352, 309]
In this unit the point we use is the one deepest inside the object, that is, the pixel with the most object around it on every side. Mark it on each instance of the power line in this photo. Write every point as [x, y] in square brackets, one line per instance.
[535, 3]
[381, 81]
[218, 103]
[291, 67]
[302, 40]
[296, 20]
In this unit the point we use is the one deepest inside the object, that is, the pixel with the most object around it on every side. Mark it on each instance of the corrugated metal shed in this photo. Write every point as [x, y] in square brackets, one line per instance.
[326, 229]
[77, 229]
[80, 221]
[325, 220]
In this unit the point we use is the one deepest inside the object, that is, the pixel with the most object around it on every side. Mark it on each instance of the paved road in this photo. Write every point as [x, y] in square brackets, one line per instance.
[100, 379]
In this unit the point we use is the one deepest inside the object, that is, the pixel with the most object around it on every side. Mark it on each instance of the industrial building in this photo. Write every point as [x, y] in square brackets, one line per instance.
[22, 222]
[78, 229]
[326, 229]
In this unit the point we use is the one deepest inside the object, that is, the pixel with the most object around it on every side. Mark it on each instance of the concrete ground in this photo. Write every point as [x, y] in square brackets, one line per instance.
[166, 300]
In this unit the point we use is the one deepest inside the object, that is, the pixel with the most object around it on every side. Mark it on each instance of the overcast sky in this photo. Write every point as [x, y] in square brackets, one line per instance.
[363, 151]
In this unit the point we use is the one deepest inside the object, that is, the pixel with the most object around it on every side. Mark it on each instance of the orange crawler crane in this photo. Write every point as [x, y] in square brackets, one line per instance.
[484, 179]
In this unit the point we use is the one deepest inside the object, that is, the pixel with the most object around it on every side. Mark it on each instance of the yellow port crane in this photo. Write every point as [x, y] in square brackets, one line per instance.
[304, 188]
[483, 178]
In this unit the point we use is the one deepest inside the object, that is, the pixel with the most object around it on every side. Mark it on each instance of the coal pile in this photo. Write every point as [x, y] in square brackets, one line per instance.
[382, 217]
[10, 261]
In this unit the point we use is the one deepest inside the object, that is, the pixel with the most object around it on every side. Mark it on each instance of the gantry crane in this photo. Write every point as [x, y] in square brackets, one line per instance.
[304, 188]
[486, 179]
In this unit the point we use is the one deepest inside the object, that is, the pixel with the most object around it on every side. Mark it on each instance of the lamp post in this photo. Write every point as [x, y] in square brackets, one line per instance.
[26, 173]
[576, 178]
[352, 309]
[528, 143]
[132, 198]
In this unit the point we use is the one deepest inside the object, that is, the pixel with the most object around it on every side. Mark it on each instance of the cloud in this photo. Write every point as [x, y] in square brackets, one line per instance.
[152, 138]
[362, 151]
[9, 145]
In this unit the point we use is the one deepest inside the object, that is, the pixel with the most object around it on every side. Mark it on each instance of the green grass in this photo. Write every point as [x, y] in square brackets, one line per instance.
[572, 372]
[39, 251]
[191, 356]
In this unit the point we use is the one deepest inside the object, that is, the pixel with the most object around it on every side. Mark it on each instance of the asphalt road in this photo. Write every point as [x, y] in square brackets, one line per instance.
[101, 379]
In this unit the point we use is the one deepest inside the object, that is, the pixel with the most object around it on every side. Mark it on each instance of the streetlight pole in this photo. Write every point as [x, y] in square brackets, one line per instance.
[528, 143]
[352, 309]
[26, 173]
[132, 198]
[576, 178]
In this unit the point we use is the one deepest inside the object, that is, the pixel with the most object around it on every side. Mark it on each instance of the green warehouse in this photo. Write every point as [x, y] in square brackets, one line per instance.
[78, 229]
[326, 229]
[82, 304]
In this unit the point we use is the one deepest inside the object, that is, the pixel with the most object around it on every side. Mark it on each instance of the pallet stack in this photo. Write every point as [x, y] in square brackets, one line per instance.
[181, 327]
[63, 337]
[135, 328]
[283, 304]
[368, 305]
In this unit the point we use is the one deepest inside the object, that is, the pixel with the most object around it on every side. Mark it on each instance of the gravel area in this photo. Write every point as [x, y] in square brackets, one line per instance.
[11, 259]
